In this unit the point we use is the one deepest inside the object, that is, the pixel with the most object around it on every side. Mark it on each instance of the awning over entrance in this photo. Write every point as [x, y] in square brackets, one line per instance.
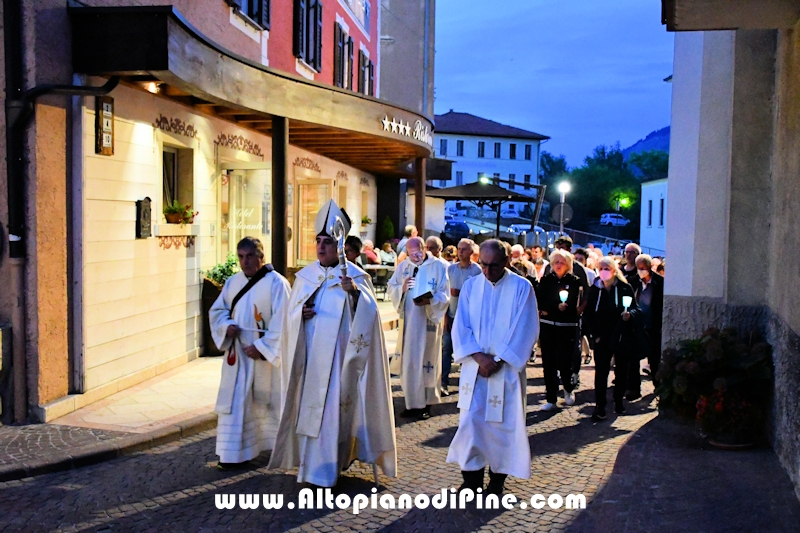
[695, 15]
[155, 47]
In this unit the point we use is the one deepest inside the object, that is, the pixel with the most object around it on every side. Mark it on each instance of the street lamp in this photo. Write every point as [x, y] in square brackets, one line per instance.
[484, 180]
[563, 188]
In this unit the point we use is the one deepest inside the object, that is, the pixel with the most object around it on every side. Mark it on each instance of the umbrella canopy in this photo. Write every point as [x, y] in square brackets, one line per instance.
[481, 192]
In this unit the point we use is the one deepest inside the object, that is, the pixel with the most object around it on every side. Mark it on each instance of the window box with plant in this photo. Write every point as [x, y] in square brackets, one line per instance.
[366, 221]
[213, 281]
[177, 213]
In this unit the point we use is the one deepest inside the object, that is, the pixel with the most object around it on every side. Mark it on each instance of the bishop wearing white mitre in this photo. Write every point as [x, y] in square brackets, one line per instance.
[337, 404]
[420, 293]
[246, 322]
[494, 330]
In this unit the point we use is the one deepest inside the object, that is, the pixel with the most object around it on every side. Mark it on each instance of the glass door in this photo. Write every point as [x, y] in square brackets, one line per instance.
[311, 196]
[245, 206]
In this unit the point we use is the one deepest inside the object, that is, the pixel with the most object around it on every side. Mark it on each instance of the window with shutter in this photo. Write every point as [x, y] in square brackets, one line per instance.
[371, 91]
[318, 37]
[360, 71]
[300, 27]
[234, 3]
[264, 14]
[349, 68]
[338, 55]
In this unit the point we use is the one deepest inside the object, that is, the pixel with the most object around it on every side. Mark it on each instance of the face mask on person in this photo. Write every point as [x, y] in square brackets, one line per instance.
[643, 273]
[606, 275]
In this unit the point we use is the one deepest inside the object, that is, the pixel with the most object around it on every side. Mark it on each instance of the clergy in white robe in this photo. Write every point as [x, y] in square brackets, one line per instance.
[494, 331]
[249, 400]
[337, 404]
[420, 294]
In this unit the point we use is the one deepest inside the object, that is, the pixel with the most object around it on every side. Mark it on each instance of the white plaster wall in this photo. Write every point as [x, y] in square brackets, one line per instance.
[434, 213]
[653, 236]
[142, 303]
[471, 165]
[699, 166]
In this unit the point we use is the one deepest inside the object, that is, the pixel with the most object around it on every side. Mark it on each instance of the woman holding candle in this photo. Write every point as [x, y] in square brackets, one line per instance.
[558, 295]
[610, 319]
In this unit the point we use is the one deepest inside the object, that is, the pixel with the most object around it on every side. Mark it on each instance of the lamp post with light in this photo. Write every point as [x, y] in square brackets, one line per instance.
[563, 188]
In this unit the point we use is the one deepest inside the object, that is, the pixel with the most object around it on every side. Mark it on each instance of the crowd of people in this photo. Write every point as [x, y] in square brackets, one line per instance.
[306, 372]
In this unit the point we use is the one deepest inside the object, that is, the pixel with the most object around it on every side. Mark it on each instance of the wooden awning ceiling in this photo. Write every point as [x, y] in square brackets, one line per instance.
[153, 48]
[697, 15]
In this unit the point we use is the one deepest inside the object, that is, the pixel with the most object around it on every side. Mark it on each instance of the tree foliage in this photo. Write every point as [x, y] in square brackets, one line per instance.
[650, 165]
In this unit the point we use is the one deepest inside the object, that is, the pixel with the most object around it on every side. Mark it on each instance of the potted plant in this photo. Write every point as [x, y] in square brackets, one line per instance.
[177, 213]
[723, 381]
[213, 280]
[365, 221]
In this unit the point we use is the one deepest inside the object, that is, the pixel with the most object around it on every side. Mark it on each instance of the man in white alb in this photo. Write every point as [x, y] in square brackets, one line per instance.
[337, 405]
[246, 321]
[419, 291]
[494, 331]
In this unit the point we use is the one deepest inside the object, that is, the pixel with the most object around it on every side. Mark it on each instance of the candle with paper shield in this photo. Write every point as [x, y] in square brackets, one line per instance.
[626, 302]
[563, 295]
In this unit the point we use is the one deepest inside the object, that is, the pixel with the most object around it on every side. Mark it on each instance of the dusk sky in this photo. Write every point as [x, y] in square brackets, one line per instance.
[580, 71]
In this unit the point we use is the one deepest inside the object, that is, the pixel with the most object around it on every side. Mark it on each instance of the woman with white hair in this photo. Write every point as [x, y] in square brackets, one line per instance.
[558, 295]
[610, 319]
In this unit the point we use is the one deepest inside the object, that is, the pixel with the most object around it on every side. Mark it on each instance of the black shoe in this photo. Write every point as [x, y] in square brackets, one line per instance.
[496, 483]
[410, 413]
[599, 413]
[633, 396]
[425, 413]
[232, 466]
[473, 479]
[619, 408]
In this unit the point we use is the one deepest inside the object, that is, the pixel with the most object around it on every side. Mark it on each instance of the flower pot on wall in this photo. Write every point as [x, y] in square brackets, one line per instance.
[173, 218]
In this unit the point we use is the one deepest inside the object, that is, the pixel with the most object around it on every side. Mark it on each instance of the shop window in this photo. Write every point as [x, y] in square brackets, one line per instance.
[460, 148]
[257, 11]
[178, 175]
[497, 150]
[481, 149]
[244, 208]
[342, 58]
[308, 32]
[366, 74]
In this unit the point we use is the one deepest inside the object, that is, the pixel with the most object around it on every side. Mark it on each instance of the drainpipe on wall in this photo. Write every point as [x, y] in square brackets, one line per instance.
[19, 109]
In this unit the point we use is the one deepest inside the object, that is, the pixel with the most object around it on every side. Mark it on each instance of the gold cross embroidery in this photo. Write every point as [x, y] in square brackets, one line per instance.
[466, 388]
[360, 343]
[495, 401]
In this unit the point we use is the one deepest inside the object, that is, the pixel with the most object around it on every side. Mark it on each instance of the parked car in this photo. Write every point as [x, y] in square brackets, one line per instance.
[519, 228]
[449, 218]
[455, 231]
[613, 219]
[509, 213]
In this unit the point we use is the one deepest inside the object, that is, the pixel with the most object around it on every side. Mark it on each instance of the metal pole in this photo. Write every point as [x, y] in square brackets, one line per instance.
[561, 215]
[280, 171]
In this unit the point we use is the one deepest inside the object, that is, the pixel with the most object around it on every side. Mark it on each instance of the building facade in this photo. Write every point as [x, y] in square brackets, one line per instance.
[733, 219]
[653, 228]
[252, 113]
[483, 148]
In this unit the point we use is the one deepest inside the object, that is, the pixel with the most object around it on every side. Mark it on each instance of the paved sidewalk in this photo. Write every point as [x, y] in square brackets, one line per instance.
[168, 407]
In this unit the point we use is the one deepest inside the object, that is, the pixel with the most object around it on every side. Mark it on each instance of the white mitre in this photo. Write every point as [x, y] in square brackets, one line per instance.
[326, 218]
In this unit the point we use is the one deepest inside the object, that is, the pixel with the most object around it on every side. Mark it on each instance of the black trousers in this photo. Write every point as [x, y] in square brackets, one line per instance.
[654, 357]
[602, 362]
[558, 350]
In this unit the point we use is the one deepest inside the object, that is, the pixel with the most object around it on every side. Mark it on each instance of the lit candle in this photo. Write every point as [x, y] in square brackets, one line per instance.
[563, 295]
[626, 302]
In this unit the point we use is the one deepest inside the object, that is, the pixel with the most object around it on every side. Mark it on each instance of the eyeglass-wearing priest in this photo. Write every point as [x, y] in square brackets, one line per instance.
[337, 404]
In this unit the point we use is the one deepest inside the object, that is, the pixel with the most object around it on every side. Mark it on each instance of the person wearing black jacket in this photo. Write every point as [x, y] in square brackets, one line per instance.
[559, 326]
[650, 298]
[613, 329]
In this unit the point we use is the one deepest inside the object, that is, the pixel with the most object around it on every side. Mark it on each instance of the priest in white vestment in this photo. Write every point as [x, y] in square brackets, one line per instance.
[337, 403]
[246, 322]
[493, 334]
[420, 293]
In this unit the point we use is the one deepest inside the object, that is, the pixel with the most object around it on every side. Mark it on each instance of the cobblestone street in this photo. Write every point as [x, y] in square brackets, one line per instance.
[637, 472]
